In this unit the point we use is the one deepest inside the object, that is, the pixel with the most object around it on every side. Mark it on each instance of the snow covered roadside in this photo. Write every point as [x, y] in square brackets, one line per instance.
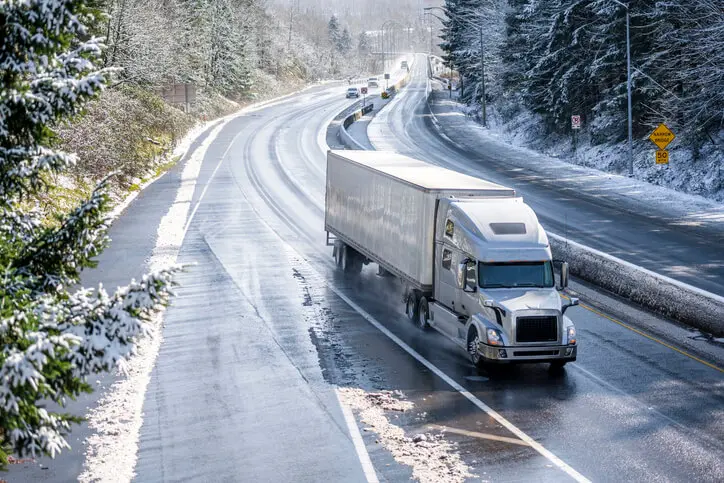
[431, 457]
[111, 451]
[639, 196]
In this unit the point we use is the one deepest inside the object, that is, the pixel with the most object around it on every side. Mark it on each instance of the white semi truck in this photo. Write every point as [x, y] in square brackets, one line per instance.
[473, 258]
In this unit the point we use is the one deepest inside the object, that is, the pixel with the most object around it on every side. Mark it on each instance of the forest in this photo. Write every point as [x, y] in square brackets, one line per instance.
[545, 61]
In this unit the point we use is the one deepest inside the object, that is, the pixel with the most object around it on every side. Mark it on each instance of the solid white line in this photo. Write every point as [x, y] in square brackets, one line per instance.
[359, 445]
[493, 414]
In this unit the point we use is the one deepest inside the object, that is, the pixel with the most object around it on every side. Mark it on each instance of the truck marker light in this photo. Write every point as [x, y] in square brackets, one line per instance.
[569, 351]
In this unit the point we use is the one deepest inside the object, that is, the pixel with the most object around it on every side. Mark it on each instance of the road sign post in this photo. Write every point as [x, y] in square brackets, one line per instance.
[575, 122]
[364, 95]
[387, 81]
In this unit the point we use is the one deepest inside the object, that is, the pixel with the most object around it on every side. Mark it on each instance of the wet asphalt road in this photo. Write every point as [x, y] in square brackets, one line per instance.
[643, 235]
[243, 386]
[629, 409]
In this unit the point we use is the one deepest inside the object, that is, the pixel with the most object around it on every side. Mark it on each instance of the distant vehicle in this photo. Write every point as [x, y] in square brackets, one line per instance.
[352, 92]
[373, 82]
[403, 65]
[473, 259]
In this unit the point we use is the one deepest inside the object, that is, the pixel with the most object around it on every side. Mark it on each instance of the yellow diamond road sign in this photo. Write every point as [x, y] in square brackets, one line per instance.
[662, 136]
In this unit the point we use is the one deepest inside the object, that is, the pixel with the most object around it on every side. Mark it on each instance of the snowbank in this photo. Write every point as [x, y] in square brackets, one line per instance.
[666, 296]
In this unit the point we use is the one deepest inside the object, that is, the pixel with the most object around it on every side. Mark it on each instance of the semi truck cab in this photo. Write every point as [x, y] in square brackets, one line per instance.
[494, 290]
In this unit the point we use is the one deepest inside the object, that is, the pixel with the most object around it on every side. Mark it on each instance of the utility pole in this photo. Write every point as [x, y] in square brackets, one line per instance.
[628, 85]
[482, 79]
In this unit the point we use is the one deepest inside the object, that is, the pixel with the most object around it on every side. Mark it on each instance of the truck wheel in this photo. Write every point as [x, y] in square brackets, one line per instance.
[412, 305]
[423, 314]
[473, 341]
[351, 260]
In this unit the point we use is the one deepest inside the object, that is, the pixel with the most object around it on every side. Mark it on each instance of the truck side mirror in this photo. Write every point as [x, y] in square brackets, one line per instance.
[564, 275]
[573, 302]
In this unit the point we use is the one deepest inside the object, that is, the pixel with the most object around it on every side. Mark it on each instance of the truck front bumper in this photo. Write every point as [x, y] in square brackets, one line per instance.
[523, 354]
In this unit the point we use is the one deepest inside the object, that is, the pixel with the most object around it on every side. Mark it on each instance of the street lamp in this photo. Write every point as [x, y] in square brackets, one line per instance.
[482, 56]
[628, 86]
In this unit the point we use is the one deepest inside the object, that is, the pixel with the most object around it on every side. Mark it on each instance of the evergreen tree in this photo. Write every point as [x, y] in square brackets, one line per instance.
[345, 41]
[335, 33]
[52, 335]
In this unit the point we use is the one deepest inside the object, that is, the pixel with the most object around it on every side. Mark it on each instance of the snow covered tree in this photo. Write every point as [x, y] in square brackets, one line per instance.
[345, 41]
[53, 335]
[335, 33]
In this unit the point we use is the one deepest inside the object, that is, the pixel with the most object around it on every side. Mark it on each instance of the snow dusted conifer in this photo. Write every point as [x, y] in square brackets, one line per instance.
[52, 336]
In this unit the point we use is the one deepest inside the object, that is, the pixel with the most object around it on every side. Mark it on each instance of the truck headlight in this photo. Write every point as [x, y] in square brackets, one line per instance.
[572, 335]
[494, 337]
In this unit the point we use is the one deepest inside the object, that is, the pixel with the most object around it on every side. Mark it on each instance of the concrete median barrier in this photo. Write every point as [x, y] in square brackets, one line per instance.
[344, 135]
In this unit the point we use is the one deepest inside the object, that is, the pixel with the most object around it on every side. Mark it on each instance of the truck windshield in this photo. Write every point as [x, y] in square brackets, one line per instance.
[515, 274]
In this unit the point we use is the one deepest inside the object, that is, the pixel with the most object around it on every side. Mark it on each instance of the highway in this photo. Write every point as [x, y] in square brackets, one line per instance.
[264, 330]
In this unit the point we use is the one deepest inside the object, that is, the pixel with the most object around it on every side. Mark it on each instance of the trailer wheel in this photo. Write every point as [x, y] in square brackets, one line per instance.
[473, 342]
[423, 314]
[412, 306]
[351, 260]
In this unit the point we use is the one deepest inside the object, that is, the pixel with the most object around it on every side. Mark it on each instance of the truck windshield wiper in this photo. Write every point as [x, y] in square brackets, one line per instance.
[498, 285]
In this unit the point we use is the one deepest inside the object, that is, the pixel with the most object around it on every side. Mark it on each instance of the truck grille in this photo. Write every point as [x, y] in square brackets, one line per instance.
[537, 329]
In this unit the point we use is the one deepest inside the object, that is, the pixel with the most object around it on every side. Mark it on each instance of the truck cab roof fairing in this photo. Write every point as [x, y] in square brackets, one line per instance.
[516, 233]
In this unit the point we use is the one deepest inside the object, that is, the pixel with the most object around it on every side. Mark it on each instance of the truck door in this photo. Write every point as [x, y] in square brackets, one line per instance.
[466, 302]
[446, 286]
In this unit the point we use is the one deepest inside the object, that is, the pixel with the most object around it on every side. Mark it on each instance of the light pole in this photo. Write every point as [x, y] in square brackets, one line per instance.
[628, 85]
[482, 57]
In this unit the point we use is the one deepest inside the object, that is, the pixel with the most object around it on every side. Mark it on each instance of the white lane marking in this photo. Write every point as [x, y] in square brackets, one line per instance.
[359, 445]
[477, 402]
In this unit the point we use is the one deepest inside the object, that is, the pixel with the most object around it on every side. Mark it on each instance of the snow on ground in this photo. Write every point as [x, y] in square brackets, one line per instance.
[702, 177]
[111, 450]
[640, 196]
[431, 457]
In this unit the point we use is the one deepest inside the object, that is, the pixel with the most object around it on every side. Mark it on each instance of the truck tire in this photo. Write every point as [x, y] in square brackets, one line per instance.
[423, 314]
[473, 340]
[351, 260]
[412, 305]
